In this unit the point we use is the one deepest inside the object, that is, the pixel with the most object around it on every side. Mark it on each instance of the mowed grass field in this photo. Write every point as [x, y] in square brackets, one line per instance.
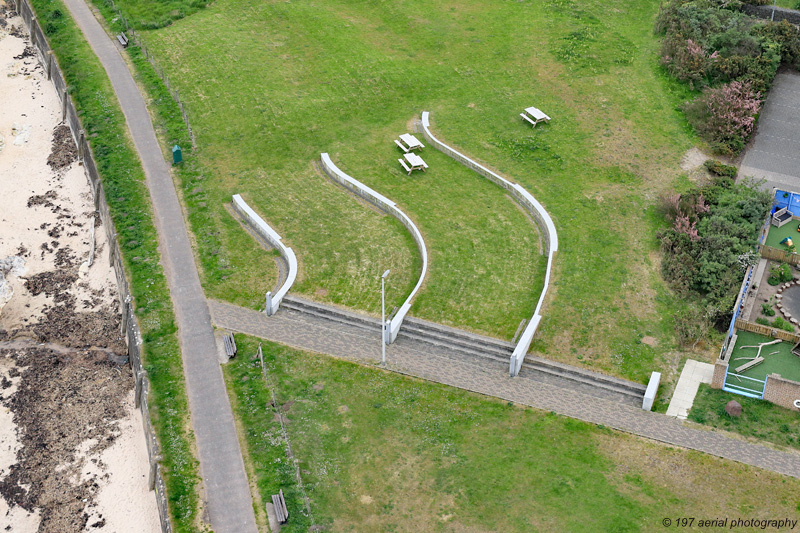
[270, 85]
[382, 452]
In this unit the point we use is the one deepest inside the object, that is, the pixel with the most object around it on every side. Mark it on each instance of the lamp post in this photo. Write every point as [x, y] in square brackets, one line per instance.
[383, 319]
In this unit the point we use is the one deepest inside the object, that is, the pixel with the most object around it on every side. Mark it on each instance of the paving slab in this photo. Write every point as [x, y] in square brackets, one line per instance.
[693, 374]
[225, 484]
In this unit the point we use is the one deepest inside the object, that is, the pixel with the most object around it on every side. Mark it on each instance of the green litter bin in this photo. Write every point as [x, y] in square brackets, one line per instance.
[177, 157]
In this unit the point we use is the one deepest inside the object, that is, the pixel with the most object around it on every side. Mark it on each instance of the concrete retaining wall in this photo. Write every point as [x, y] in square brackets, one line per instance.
[535, 210]
[271, 236]
[383, 203]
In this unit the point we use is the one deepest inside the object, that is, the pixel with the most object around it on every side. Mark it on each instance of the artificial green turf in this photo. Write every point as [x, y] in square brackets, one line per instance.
[281, 82]
[784, 362]
[379, 451]
[760, 419]
[776, 235]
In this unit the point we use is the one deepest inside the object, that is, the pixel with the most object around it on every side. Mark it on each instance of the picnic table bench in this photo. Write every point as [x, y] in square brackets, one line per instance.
[412, 162]
[122, 39]
[534, 116]
[408, 142]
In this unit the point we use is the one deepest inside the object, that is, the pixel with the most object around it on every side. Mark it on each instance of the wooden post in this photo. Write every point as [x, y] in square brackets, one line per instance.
[64, 104]
[81, 145]
[137, 391]
[49, 64]
[151, 480]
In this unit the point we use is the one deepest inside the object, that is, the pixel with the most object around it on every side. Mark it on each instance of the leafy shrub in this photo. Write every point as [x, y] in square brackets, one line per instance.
[767, 310]
[712, 227]
[691, 326]
[786, 36]
[720, 169]
[686, 60]
[725, 116]
[779, 274]
[785, 325]
[778, 323]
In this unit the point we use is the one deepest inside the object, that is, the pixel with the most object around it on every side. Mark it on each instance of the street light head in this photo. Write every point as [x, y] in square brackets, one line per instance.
[385, 274]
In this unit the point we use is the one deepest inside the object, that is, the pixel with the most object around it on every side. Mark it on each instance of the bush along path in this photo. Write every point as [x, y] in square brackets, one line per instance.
[225, 483]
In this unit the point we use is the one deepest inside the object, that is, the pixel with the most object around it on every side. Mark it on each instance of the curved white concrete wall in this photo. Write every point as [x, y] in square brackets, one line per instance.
[539, 214]
[271, 236]
[390, 207]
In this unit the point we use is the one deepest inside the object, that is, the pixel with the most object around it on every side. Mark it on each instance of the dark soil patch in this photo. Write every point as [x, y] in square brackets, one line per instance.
[28, 52]
[64, 151]
[62, 325]
[52, 283]
[45, 199]
[63, 400]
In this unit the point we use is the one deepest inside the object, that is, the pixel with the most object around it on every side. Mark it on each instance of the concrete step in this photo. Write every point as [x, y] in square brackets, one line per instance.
[586, 377]
[332, 313]
[463, 340]
[478, 349]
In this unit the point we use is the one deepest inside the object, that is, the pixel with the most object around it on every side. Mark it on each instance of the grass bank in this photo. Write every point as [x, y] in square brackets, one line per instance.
[129, 204]
[384, 452]
[760, 419]
[280, 83]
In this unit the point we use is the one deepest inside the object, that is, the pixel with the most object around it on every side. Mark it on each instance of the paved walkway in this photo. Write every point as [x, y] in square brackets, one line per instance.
[694, 373]
[227, 492]
[775, 151]
[424, 361]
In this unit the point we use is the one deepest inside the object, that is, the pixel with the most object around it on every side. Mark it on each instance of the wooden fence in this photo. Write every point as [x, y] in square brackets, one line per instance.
[130, 325]
[768, 331]
[775, 254]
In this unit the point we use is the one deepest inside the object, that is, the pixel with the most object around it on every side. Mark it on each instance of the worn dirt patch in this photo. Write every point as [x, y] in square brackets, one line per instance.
[650, 341]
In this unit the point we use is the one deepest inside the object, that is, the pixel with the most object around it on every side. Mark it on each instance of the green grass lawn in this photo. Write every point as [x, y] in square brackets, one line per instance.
[281, 82]
[776, 235]
[379, 451]
[760, 419]
[784, 362]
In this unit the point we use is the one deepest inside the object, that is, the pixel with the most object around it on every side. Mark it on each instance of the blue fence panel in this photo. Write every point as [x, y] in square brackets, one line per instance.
[755, 390]
[794, 203]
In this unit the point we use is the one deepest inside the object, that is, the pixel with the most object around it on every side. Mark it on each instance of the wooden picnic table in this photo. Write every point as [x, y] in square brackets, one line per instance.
[408, 143]
[534, 116]
[412, 162]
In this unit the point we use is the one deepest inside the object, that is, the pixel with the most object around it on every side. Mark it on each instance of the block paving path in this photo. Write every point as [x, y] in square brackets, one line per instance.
[316, 334]
[227, 492]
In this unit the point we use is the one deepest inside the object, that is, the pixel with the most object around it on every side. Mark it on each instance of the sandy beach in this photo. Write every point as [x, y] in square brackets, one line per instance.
[72, 447]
